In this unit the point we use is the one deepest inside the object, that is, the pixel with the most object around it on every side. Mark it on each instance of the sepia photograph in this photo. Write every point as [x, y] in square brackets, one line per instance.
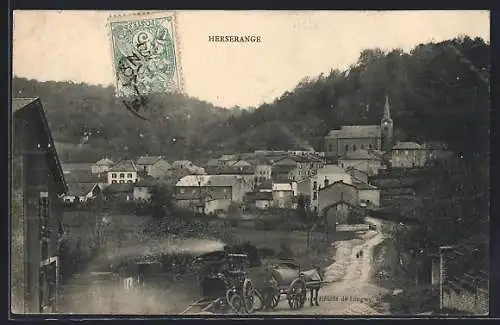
[247, 163]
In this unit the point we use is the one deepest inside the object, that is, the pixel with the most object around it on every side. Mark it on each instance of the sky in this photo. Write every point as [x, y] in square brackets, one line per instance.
[75, 45]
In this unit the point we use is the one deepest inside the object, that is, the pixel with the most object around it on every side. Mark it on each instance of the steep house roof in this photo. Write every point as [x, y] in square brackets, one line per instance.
[124, 166]
[119, 188]
[213, 163]
[84, 176]
[104, 162]
[360, 154]
[241, 163]
[232, 170]
[335, 184]
[208, 180]
[79, 189]
[407, 146]
[287, 161]
[148, 160]
[22, 108]
[355, 131]
[364, 186]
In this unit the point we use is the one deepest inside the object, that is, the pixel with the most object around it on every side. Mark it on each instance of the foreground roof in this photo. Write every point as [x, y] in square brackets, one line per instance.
[20, 107]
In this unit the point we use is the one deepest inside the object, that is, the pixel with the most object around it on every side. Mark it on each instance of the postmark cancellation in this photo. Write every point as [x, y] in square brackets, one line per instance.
[145, 54]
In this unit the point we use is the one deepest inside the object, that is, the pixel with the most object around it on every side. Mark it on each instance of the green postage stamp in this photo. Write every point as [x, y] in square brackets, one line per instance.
[145, 54]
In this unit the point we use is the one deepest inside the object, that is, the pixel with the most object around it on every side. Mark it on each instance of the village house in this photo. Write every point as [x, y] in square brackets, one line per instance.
[310, 186]
[259, 200]
[123, 172]
[357, 176]
[333, 193]
[353, 137]
[154, 166]
[142, 188]
[210, 193]
[262, 168]
[369, 195]
[119, 192]
[263, 200]
[284, 170]
[363, 160]
[36, 219]
[408, 155]
[189, 166]
[283, 194]
[81, 192]
[342, 212]
[102, 166]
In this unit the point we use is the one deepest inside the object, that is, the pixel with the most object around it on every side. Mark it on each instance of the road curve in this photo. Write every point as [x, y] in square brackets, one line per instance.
[349, 291]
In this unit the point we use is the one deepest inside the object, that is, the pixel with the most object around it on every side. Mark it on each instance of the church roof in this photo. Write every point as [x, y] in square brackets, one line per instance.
[356, 131]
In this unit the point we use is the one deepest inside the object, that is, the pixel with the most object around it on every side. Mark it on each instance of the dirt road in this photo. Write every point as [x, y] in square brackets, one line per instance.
[349, 291]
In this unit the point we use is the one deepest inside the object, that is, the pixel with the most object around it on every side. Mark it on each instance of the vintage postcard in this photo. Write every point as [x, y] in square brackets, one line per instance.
[232, 163]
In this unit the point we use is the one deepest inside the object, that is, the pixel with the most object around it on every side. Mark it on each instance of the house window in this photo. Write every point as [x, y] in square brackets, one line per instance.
[113, 175]
[362, 146]
[315, 195]
[315, 185]
[330, 147]
[346, 148]
[122, 175]
[406, 152]
[370, 146]
[113, 181]
[353, 147]
[122, 182]
[129, 181]
[182, 191]
[129, 175]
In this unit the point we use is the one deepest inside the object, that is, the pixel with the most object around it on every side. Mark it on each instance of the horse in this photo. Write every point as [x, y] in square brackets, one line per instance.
[313, 279]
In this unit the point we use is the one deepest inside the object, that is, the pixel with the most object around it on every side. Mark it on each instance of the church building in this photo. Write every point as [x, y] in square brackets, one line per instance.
[353, 137]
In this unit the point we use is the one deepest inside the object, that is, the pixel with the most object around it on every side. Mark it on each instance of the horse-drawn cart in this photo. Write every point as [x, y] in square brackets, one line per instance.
[288, 279]
[225, 287]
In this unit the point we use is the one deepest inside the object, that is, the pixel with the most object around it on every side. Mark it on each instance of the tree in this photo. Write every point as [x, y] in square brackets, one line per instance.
[161, 201]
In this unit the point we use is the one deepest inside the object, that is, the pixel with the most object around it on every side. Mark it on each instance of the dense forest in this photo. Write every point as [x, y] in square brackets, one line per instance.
[89, 122]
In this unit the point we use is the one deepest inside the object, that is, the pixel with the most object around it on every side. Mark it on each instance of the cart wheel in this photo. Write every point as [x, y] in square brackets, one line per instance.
[262, 302]
[248, 296]
[275, 299]
[296, 294]
[236, 304]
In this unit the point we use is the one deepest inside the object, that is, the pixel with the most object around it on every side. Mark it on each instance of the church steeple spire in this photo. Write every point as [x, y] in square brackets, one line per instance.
[387, 109]
[387, 131]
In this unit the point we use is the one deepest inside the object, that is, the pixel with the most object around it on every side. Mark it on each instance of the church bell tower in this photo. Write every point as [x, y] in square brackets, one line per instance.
[386, 127]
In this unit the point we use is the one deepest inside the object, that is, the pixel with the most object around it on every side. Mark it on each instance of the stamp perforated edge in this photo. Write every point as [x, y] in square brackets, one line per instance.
[139, 15]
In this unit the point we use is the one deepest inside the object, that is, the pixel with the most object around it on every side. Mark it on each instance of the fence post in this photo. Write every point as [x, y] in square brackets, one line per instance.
[442, 273]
